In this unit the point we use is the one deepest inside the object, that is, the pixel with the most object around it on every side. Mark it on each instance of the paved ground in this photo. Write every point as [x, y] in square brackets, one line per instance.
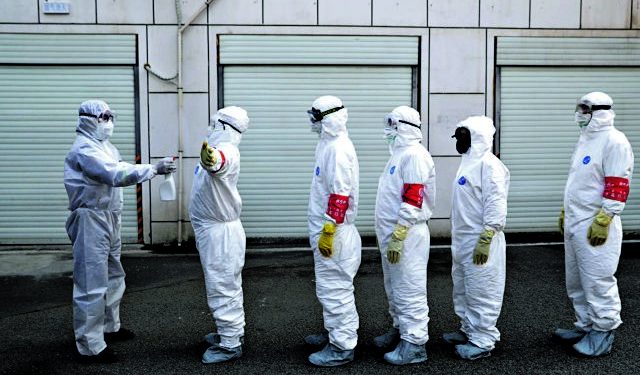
[165, 305]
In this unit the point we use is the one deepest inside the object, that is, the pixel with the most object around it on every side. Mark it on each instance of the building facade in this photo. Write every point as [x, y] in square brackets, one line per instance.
[522, 62]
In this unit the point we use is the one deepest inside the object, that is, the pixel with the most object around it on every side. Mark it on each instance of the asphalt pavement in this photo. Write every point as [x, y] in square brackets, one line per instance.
[165, 306]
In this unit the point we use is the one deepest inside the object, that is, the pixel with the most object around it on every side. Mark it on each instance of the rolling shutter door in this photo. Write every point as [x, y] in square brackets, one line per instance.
[38, 116]
[278, 149]
[538, 136]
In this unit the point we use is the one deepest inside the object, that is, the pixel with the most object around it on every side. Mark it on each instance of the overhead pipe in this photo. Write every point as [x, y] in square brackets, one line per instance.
[181, 28]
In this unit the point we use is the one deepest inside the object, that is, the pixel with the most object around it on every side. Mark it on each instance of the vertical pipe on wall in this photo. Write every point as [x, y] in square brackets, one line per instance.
[181, 29]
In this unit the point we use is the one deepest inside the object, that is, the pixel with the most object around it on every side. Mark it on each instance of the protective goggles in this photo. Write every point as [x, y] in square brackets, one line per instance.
[316, 115]
[105, 116]
[585, 109]
[390, 123]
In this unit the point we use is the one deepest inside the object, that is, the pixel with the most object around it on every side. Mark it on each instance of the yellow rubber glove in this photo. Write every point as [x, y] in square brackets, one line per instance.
[325, 244]
[599, 229]
[481, 252]
[561, 221]
[207, 156]
[394, 250]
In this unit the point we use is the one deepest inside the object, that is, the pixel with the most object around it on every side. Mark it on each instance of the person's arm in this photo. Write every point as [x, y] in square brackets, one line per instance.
[99, 166]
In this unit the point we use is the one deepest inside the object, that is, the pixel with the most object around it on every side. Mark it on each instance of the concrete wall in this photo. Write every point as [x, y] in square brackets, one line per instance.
[456, 64]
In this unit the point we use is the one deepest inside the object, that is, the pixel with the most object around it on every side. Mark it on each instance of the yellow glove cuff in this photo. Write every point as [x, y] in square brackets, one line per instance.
[400, 232]
[486, 236]
[329, 228]
[602, 218]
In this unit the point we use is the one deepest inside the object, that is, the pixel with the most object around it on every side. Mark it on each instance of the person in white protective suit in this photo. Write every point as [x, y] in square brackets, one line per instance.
[333, 206]
[594, 197]
[478, 216]
[215, 216]
[94, 175]
[404, 204]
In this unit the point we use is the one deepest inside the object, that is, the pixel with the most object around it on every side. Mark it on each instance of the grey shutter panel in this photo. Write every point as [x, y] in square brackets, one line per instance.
[278, 149]
[38, 116]
[538, 135]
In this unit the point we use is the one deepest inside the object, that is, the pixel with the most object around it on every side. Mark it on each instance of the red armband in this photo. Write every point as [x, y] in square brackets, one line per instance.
[616, 188]
[222, 161]
[413, 194]
[337, 207]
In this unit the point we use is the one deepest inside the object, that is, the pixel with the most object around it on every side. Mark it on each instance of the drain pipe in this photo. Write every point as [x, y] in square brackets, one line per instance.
[181, 28]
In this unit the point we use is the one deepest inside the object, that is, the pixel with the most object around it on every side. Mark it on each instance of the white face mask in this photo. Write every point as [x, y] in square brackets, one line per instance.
[316, 127]
[104, 130]
[582, 119]
[390, 135]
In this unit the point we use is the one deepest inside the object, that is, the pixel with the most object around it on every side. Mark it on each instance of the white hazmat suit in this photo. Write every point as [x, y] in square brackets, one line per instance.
[406, 196]
[94, 175]
[601, 169]
[334, 199]
[220, 238]
[479, 203]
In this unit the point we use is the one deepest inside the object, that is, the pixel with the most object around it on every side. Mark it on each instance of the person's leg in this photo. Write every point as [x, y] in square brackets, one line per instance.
[89, 233]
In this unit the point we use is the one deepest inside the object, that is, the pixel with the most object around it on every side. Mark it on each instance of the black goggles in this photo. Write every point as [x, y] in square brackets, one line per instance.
[105, 116]
[224, 124]
[317, 115]
[584, 109]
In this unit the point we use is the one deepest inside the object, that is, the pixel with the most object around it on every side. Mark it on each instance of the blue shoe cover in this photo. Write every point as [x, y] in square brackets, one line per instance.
[595, 343]
[318, 339]
[216, 354]
[331, 356]
[406, 353]
[568, 336]
[455, 338]
[388, 339]
[471, 352]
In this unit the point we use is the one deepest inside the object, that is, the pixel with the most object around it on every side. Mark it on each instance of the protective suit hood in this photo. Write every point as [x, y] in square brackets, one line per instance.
[482, 131]
[89, 125]
[335, 123]
[227, 125]
[600, 119]
[407, 122]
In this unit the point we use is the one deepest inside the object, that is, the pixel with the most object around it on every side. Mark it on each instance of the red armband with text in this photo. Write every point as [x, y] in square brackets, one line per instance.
[337, 207]
[616, 188]
[413, 194]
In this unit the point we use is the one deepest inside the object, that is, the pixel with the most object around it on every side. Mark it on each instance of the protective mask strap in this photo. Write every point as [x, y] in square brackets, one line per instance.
[226, 123]
[410, 124]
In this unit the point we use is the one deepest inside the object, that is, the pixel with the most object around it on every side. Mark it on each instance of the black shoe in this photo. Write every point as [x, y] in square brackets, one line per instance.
[122, 335]
[105, 356]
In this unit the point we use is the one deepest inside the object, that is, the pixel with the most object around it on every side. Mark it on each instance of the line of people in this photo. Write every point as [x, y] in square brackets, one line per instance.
[595, 193]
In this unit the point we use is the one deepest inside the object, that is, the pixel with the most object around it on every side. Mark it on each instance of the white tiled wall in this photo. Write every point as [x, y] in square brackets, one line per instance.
[125, 11]
[635, 14]
[19, 11]
[242, 12]
[81, 11]
[555, 14]
[504, 13]
[453, 13]
[290, 12]
[400, 12]
[612, 14]
[165, 11]
[460, 69]
[446, 168]
[341, 12]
